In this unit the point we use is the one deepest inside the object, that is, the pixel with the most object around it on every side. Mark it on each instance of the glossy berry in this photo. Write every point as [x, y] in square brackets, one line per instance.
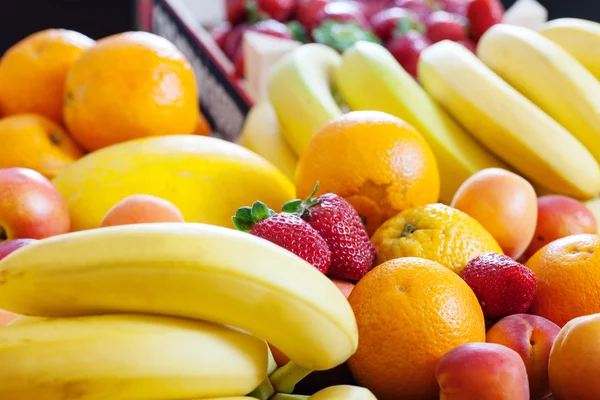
[407, 49]
[219, 33]
[307, 12]
[469, 44]
[482, 15]
[502, 285]
[385, 22]
[233, 41]
[419, 7]
[280, 10]
[442, 25]
[235, 10]
[342, 11]
[352, 253]
[456, 7]
[285, 230]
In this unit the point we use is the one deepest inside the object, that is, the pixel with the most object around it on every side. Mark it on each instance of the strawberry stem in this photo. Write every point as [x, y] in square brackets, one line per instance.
[246, 217]
[300, 207]
[287, 377]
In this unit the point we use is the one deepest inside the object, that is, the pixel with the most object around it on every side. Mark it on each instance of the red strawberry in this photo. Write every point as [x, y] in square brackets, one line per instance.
[442, 25]
[407, 48]
[419, 7]
[219, 33]
[352, 253]
[233, 41]
[342, 11]
[281, 10]
[372, 7]
[285, 230]
[239, 64]
[458, 7]
[235, 10]
[483, 14]
[307, 12]
[385, 22]
[502, 285]
[469, 44]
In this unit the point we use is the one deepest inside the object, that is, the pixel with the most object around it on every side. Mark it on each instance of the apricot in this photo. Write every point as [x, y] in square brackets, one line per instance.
[558, 217]
[504, 203]
[532, 337]
[141, 208]
[6, 317]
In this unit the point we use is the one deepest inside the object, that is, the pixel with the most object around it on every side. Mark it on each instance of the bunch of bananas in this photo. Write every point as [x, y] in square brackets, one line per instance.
[529, 102]
[167, 311]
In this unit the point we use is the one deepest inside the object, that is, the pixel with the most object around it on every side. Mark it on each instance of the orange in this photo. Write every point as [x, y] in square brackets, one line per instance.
[568, 278]
[203, 127]
[574, 365]
[33, 71]
[410, 312]
[32, 141]
[130, 85]
[377, 162]
[434, 231]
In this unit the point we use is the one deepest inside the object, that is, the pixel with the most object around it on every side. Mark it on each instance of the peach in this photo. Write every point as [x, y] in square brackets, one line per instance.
[31, 207]
[504, 203]
[344, 286]
[483, 371]
[7, 317]
[140, 209]
[9, 246]
[559, 216]
[532, 338]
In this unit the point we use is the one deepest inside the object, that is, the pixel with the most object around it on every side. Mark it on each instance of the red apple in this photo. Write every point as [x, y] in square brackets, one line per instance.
[31, 206]
[532, 337]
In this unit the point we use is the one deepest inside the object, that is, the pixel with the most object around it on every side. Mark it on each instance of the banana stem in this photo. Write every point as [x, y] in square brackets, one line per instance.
[264, 391]
[286, 378]
[272, 366]
[285, 396]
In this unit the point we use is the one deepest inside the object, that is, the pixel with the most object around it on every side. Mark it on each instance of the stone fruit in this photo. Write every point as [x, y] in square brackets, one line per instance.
[140, 209]
[568, 278]
[436, 232]
[6, 317]
[31, 206]
[560, 216]
[410, 312]
[345, 286]
[482, 371]
[532, 337]
[502, 285]
[8, 246]
[377, 162]
[206, 178]
[575, 360]
[504, 203]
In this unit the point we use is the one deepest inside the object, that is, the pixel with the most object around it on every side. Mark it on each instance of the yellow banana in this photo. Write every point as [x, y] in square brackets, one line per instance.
[579, 37]
[369, 78]
[187, 270]
[262, 134]
[506, 122]
[529, 62]
[127, 357]
[300, 91]
[337, 392]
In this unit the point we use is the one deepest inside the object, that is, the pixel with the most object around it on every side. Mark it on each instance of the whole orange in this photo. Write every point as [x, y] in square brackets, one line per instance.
[568, 278]
[35, 142]
[130, 85]
[33, 71]
[436, 232]
[574, 365]
[377, 162]
[410, 312]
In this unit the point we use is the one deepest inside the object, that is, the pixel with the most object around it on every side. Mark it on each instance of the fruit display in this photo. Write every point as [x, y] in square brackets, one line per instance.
[410, 211]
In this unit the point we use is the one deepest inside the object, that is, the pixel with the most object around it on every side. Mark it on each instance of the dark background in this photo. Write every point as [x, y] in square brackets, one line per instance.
[99, 18]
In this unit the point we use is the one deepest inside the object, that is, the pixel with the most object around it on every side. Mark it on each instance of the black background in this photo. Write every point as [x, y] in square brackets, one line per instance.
[99, 18]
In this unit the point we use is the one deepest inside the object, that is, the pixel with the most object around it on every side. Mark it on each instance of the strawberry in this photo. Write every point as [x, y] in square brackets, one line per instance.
[219, 33]
[502, 285]
[419, 7]
[442, 25]
[342, 11]
[233, 41]
[457, 7]
[406, 49]
[280, 10]
[352, 253]
[307, 12]
[235, 10]
[385, 22]
[482, 15]
[285, 230]
[469, 44]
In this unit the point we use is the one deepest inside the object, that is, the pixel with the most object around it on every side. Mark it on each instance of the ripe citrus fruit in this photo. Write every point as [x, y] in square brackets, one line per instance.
[568, 278]
[574, 365]
[377, 162]
[436, 232]
[130, 85]
[35, 142]
[410, 312]
[32, 72]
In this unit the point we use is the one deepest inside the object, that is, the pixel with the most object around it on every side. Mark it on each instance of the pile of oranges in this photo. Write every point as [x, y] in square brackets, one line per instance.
[62, 94]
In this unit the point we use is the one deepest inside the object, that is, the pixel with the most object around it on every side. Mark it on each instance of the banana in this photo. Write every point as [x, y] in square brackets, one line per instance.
[261, 134]
[127, 357]
[579, 37]
[528, 62]
[369, 78]
[337, 392]
[506, 122]
[187, 270]
[300, 91]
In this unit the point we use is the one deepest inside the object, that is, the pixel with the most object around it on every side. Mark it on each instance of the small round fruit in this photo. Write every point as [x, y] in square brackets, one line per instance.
[504, 203]
[380, 164]
[442, 25]
[8, 246]
[141, 209]
[407, 48]
[575, 360]
[410, 312]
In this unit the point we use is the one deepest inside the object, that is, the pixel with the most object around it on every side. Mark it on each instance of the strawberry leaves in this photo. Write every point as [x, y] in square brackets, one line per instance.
[246, 217]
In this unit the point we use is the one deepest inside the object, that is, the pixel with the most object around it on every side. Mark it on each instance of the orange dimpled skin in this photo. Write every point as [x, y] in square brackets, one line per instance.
[33, 71]
[378, 163]
[130, 85]
[410, 312]
[568, 278]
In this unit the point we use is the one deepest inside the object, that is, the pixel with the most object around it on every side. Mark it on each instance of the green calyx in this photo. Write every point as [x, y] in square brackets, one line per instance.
[298, 31]
[300, 207]
[407, 24]
[342, 36]
[246, 217]
[254, 14]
